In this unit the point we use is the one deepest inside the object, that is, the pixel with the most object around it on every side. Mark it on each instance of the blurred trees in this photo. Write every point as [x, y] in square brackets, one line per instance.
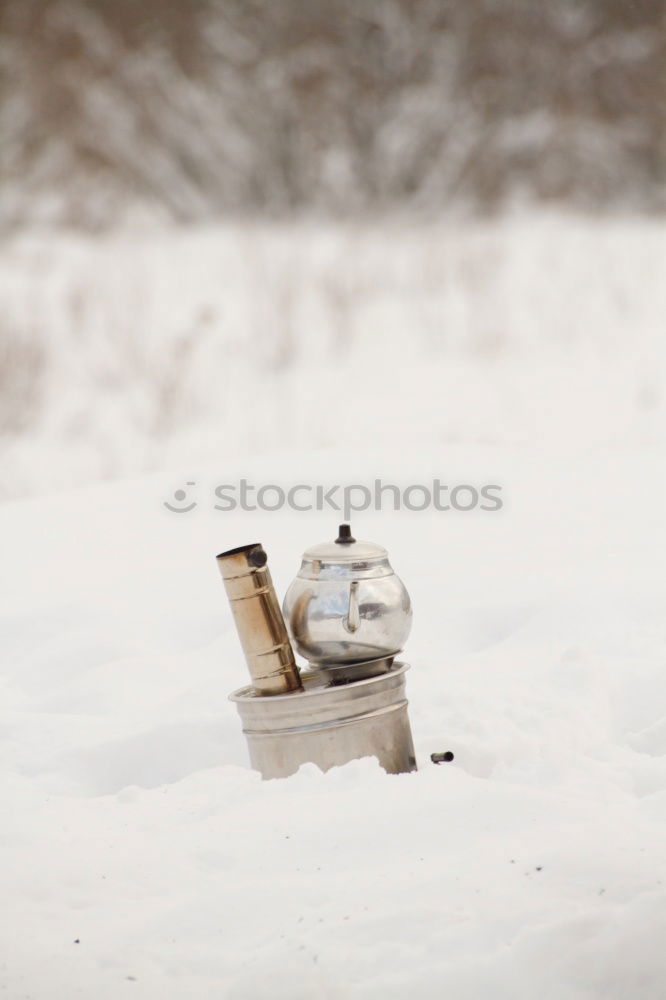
[196, 109]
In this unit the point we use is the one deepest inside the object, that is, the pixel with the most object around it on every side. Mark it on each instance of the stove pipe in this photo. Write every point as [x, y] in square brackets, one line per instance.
[258, 619]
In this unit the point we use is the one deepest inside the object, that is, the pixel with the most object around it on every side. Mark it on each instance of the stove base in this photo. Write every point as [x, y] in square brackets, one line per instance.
[329, 725]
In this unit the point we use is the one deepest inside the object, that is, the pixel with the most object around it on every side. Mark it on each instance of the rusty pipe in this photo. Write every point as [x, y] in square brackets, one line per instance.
[258, 620]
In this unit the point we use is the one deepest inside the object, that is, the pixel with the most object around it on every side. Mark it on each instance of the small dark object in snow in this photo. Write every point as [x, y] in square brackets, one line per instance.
[539, 868]
[132, 979]
[438, 758]
[77, 940]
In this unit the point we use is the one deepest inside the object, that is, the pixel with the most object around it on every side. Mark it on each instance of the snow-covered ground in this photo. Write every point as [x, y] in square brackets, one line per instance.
[141, 857]
[127, 353]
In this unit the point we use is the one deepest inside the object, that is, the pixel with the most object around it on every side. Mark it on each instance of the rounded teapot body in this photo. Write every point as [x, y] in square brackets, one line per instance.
[347, 605]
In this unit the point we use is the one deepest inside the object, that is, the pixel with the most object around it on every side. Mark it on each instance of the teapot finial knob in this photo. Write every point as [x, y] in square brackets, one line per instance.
[345, 536]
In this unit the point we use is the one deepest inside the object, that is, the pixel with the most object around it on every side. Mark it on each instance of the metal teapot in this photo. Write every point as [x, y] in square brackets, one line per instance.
[347, 611]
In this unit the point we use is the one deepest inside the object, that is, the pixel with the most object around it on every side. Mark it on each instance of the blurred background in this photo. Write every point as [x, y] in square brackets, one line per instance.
[234, 226]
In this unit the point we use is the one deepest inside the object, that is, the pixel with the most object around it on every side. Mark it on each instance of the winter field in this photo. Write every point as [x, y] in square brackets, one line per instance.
[131, 353]
[141, 857]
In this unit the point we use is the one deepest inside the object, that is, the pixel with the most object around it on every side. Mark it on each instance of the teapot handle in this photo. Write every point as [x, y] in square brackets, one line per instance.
[353, 619]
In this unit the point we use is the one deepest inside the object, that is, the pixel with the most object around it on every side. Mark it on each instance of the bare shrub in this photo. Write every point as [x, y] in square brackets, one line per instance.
[205, 108]
[23, 364]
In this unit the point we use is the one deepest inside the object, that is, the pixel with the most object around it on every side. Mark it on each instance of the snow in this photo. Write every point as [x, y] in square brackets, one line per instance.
[141, 350]
[141, 855]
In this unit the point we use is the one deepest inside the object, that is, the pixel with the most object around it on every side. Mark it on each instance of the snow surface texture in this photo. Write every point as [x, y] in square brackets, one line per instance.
[141, 856]
[123, 354]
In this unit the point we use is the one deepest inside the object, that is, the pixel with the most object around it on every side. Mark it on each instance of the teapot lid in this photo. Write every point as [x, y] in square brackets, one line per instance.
[345, 549]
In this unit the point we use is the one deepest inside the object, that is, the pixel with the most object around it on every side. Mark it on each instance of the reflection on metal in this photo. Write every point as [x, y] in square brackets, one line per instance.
[259, 621]
[349, 614]
[347, 605]
[329, 725]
